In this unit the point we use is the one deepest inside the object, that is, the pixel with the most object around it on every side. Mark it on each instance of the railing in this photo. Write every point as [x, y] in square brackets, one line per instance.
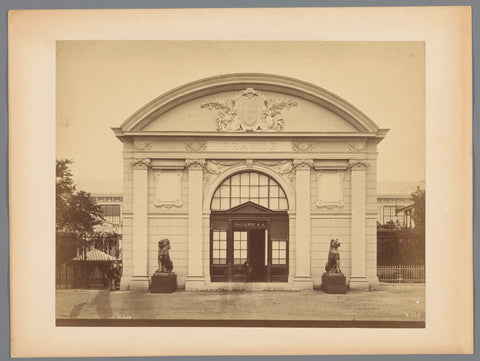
[398, 273]
[64, 277]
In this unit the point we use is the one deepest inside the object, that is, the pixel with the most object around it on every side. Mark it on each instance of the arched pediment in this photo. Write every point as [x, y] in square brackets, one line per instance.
[248, 103]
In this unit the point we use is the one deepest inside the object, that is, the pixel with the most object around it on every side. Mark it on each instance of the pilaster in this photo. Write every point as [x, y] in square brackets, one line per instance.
[358, 278]
[195, 278]
[140, 280]
[303, 278]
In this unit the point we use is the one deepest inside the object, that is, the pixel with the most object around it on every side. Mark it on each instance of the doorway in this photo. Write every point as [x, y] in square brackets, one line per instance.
[256, 255]
[249, 243]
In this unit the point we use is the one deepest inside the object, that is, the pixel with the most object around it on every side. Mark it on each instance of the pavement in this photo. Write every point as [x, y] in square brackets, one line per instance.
[386, 303]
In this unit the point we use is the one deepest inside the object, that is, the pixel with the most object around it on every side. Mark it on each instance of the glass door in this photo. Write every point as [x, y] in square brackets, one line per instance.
[249, 249]
[218, 255]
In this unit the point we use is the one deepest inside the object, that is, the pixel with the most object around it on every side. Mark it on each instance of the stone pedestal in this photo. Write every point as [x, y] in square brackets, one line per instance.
[163, 282]
[138, 283]
[359, 283]
[334, 283]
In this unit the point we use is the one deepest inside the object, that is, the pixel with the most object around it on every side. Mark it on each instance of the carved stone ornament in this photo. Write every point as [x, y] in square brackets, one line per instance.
[195, 145]
[356, 147]
[249, 111]
[214, 167]
[283, 167]
[303, 163]
[141, 163]
[302, 146]
[142, 145]
[195, 163]
[358, 164]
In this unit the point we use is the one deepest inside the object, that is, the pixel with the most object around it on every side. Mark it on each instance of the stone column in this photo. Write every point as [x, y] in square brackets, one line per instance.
[140, 279]
[358, 277]
[303, 278]
[195, 278]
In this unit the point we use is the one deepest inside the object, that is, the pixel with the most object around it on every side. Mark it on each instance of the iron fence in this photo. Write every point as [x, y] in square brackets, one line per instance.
[398, 273]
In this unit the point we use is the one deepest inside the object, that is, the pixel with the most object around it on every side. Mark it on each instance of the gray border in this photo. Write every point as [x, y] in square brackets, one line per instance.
[6, 5]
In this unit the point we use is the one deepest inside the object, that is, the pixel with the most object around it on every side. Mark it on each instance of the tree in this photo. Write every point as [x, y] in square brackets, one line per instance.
[400, 245]
[77, 220]
[419, 209]
[76, 213]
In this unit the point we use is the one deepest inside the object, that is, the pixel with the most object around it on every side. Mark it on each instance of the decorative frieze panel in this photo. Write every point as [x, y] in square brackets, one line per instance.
[302, 145]
[168, 188]
[330, 189]
[250, 111]
[142, 145]
[356, 147]
[195, 145]
[252, 146]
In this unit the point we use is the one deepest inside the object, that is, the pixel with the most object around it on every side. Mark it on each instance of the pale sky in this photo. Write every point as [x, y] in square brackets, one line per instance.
[101, 83]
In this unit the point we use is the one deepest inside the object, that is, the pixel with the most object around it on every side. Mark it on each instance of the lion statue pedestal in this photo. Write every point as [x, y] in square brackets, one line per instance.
[333, 280]
[164, 280]
[334, 283]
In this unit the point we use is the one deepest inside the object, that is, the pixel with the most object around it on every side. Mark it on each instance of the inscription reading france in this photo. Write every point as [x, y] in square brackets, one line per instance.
[248, 146]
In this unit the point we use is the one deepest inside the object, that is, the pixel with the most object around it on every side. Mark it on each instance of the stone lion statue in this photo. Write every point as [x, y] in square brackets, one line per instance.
[333, 263]
[164, 262]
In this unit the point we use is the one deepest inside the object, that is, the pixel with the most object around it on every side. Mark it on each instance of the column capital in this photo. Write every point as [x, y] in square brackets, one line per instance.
[303, 164]
[195, 163]
[140, 163]
[358, 164]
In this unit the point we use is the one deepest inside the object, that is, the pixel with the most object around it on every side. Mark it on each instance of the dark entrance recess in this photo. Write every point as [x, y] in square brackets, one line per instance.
[249, 243]
[256, 256]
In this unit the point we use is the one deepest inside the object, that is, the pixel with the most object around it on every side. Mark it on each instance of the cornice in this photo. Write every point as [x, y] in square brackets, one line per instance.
[294, 135]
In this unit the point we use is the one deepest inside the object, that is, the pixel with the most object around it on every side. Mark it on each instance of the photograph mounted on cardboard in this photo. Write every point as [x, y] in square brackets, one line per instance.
[277, 184]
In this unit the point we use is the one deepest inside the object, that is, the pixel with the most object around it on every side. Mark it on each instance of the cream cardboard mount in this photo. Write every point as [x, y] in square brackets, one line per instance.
[446, 33]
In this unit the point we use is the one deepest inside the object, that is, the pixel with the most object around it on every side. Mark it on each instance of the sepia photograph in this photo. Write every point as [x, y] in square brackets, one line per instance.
[256, 181]
[267, 184]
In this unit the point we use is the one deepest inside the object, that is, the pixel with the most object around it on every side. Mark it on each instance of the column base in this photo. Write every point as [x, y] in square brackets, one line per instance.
[125, 283]
[359, 283]
[303, 282]
[139, 283]
[372, 282]
[194, 283]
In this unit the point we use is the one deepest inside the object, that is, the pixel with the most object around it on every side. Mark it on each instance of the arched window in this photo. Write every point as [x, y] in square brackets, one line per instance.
[249, 186]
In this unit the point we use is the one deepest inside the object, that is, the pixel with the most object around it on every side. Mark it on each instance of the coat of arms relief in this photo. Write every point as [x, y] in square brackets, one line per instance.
[249, 111]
